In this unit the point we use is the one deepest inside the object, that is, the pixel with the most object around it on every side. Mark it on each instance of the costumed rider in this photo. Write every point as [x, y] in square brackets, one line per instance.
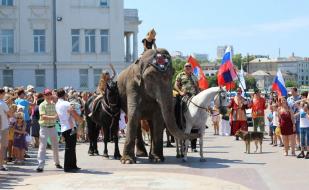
[149, 41]
[186, 85]
[104, 80]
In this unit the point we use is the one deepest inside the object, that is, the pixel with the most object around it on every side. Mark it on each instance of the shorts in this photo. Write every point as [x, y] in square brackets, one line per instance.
[11, 134]
[272, 130]
[4, 137]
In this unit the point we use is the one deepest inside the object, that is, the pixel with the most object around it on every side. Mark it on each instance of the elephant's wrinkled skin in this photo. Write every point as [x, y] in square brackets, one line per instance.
[146, 93]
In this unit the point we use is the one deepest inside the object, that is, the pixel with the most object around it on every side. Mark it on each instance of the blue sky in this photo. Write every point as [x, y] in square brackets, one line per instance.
[251, 26]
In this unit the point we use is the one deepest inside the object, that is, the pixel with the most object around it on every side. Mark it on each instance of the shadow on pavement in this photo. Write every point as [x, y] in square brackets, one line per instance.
[194, 162]
[10, 181]
[94, 172]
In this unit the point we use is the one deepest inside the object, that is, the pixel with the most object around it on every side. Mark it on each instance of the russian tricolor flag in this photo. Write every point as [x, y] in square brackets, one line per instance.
[279, 85]
[198, 72]
[226, 73]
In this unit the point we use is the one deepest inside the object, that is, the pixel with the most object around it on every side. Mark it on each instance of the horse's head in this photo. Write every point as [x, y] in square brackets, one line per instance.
[221, 101]
[112, 95]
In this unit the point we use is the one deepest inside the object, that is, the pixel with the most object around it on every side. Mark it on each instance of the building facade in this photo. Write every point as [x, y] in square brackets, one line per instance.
[221, 51]
[67, 40]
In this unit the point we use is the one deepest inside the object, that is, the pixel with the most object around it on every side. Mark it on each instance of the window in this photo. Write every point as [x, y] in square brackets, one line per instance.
[103, 3]
[39, 41]
[83, 78]
[40, 77]
[7, 41]
[97, 75]
[90, 41]
[75, 40]
[6, 2]
[7, 78]
[104, 41]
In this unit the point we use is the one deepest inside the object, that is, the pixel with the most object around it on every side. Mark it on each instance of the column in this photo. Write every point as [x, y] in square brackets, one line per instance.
[128, 47]
[135, 46]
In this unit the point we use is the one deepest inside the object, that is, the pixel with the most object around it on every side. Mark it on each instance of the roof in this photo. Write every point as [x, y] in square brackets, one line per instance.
[260, 73]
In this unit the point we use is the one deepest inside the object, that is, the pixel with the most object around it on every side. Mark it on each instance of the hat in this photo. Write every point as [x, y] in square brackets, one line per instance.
[105, 72]
[47, 91]
[187, 64]
[30, 87]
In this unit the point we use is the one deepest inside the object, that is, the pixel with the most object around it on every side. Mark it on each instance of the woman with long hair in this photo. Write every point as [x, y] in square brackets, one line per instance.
[287, 126]
[150, 40]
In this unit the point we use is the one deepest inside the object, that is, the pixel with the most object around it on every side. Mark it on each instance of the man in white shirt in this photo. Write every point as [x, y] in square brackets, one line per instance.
[4, 128]
[65, 112]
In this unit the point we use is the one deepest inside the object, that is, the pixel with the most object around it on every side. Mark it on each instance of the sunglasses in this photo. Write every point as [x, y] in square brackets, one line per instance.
[188, 66]
[19, 118]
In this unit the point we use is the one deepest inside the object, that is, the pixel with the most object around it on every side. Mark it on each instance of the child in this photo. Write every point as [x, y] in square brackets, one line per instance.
[225, 124]
[271, 126]
[304, 131]
[150, 40]
[277, 134]
[215, 119]
[13, 109]
[19, 144]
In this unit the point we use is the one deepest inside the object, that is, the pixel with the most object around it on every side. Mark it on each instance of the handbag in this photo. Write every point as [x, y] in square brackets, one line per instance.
[278, 131]
[28, 138]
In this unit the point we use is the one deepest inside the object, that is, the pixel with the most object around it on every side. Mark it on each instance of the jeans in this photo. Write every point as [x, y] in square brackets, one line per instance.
[304, 137]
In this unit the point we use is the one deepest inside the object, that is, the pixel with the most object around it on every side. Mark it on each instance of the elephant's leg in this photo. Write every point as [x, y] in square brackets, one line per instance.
[128, 156]
[157, 139]
[139, 143]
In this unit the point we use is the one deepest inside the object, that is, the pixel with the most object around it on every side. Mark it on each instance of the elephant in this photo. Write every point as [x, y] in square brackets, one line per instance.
[145, 90]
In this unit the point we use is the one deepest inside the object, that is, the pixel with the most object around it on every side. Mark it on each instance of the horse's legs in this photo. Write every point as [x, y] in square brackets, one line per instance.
[202, 159]
[91, 128]
[115, 133]
[106, 138]
[95, 139]
[187, 131]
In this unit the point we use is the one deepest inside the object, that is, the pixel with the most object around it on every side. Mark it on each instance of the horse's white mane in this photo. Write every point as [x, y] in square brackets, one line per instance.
[204, 98]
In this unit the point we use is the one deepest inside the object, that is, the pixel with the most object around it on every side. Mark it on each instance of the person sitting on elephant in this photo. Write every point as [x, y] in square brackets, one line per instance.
[150, 40]
[186, 85]
[104, 80]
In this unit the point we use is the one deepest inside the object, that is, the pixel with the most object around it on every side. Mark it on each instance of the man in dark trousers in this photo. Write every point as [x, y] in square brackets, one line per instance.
[66, 116]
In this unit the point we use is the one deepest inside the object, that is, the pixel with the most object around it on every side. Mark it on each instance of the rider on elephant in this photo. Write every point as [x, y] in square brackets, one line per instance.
[150, 40]
[186, 85]
[104, 80]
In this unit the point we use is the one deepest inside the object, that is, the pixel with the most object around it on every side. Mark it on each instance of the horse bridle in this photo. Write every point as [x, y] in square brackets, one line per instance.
[207, 109]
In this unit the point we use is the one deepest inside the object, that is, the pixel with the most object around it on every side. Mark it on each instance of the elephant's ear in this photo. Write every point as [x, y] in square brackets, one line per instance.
[142, 64]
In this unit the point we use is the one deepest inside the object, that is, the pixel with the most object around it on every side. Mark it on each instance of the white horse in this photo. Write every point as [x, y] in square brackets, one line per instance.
[196, 115]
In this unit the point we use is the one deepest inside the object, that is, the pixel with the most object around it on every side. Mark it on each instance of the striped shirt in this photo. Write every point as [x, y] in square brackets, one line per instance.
[48, 109]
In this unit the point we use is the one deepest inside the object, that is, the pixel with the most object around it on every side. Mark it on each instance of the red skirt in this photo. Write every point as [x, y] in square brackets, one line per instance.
[236, 125]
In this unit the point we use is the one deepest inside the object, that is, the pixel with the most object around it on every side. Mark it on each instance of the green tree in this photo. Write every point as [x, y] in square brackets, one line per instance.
[212, 81]
[237, 60]
[290, 83]
[250, 82]
[178, 65]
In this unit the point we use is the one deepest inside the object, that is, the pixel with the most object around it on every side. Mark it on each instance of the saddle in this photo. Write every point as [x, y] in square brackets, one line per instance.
[180, 108]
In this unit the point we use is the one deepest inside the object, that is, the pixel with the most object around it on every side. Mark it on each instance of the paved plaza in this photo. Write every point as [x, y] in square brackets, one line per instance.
[227, 168]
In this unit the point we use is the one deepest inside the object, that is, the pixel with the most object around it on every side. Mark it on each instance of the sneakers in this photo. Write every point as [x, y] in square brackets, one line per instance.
[307, 155]
[301, 155]
[2, 168]
[194, 150]
[58, 166]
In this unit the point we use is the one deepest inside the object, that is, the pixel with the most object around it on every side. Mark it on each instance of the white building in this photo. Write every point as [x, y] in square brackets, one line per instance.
[86, 34]
[201, 56]
[221, 51]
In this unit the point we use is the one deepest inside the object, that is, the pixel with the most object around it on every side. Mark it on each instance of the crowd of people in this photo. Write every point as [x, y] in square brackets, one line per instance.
[287, 121]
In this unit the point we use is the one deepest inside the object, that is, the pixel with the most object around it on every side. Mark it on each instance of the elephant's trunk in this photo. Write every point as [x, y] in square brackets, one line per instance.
[168, 112]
